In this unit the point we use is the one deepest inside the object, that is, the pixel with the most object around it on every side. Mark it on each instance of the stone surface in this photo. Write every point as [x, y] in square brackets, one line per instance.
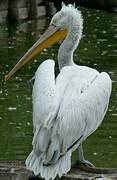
[38, 1]
[16, 171]
[22, 13]
[22, 3]
[3, 16]
[41, 11]
[3, 5]
[15, 10]
[50, 8]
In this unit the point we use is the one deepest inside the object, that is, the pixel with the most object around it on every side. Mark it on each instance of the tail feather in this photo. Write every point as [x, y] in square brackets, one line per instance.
[62, 166]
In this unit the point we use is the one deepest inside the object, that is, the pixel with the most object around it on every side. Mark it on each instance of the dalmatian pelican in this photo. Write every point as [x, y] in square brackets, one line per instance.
[68, 108]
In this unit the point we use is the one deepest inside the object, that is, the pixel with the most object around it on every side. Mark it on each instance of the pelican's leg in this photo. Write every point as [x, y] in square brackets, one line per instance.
[81, 159]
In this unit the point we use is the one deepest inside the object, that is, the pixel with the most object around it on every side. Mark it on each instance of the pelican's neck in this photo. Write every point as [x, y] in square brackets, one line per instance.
[67, 48]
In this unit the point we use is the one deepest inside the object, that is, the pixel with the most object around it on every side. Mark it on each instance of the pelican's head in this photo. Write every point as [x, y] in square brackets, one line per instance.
[67, 17]
[61, 23]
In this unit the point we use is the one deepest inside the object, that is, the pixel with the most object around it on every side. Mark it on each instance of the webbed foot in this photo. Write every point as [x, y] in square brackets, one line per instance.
[87, 166]
[81, 163]
[85, 163]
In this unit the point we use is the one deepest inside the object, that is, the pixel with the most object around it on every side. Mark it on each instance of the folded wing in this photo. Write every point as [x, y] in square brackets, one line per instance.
[82, 109]
[67, 111]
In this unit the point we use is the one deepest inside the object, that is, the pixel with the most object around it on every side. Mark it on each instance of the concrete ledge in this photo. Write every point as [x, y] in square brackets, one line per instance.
[3, 16]
[16, 171]
[3, 5]
[16, 10]
[22, 13]
[39, 1]
[41, 11]
[22, 3]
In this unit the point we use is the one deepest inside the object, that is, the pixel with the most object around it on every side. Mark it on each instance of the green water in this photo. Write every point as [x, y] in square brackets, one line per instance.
[98, 49]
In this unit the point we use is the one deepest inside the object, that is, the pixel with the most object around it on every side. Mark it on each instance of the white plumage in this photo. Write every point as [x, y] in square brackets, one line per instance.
[66, 110]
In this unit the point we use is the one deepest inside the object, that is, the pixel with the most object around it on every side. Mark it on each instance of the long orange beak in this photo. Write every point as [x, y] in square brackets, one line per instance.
[52, 35]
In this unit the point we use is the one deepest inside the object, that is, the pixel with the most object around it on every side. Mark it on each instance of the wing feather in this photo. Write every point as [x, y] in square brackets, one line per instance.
[43, 105]
[74, 105]
[43, 92]
[83, 106]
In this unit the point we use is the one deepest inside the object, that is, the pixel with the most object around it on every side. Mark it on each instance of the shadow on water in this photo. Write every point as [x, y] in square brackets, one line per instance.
[98, 49]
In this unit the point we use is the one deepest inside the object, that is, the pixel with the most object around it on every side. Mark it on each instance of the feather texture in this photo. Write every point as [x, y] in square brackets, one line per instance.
[64, 110]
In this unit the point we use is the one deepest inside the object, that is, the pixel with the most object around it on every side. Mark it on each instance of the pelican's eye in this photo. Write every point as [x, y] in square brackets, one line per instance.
[55, 22]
